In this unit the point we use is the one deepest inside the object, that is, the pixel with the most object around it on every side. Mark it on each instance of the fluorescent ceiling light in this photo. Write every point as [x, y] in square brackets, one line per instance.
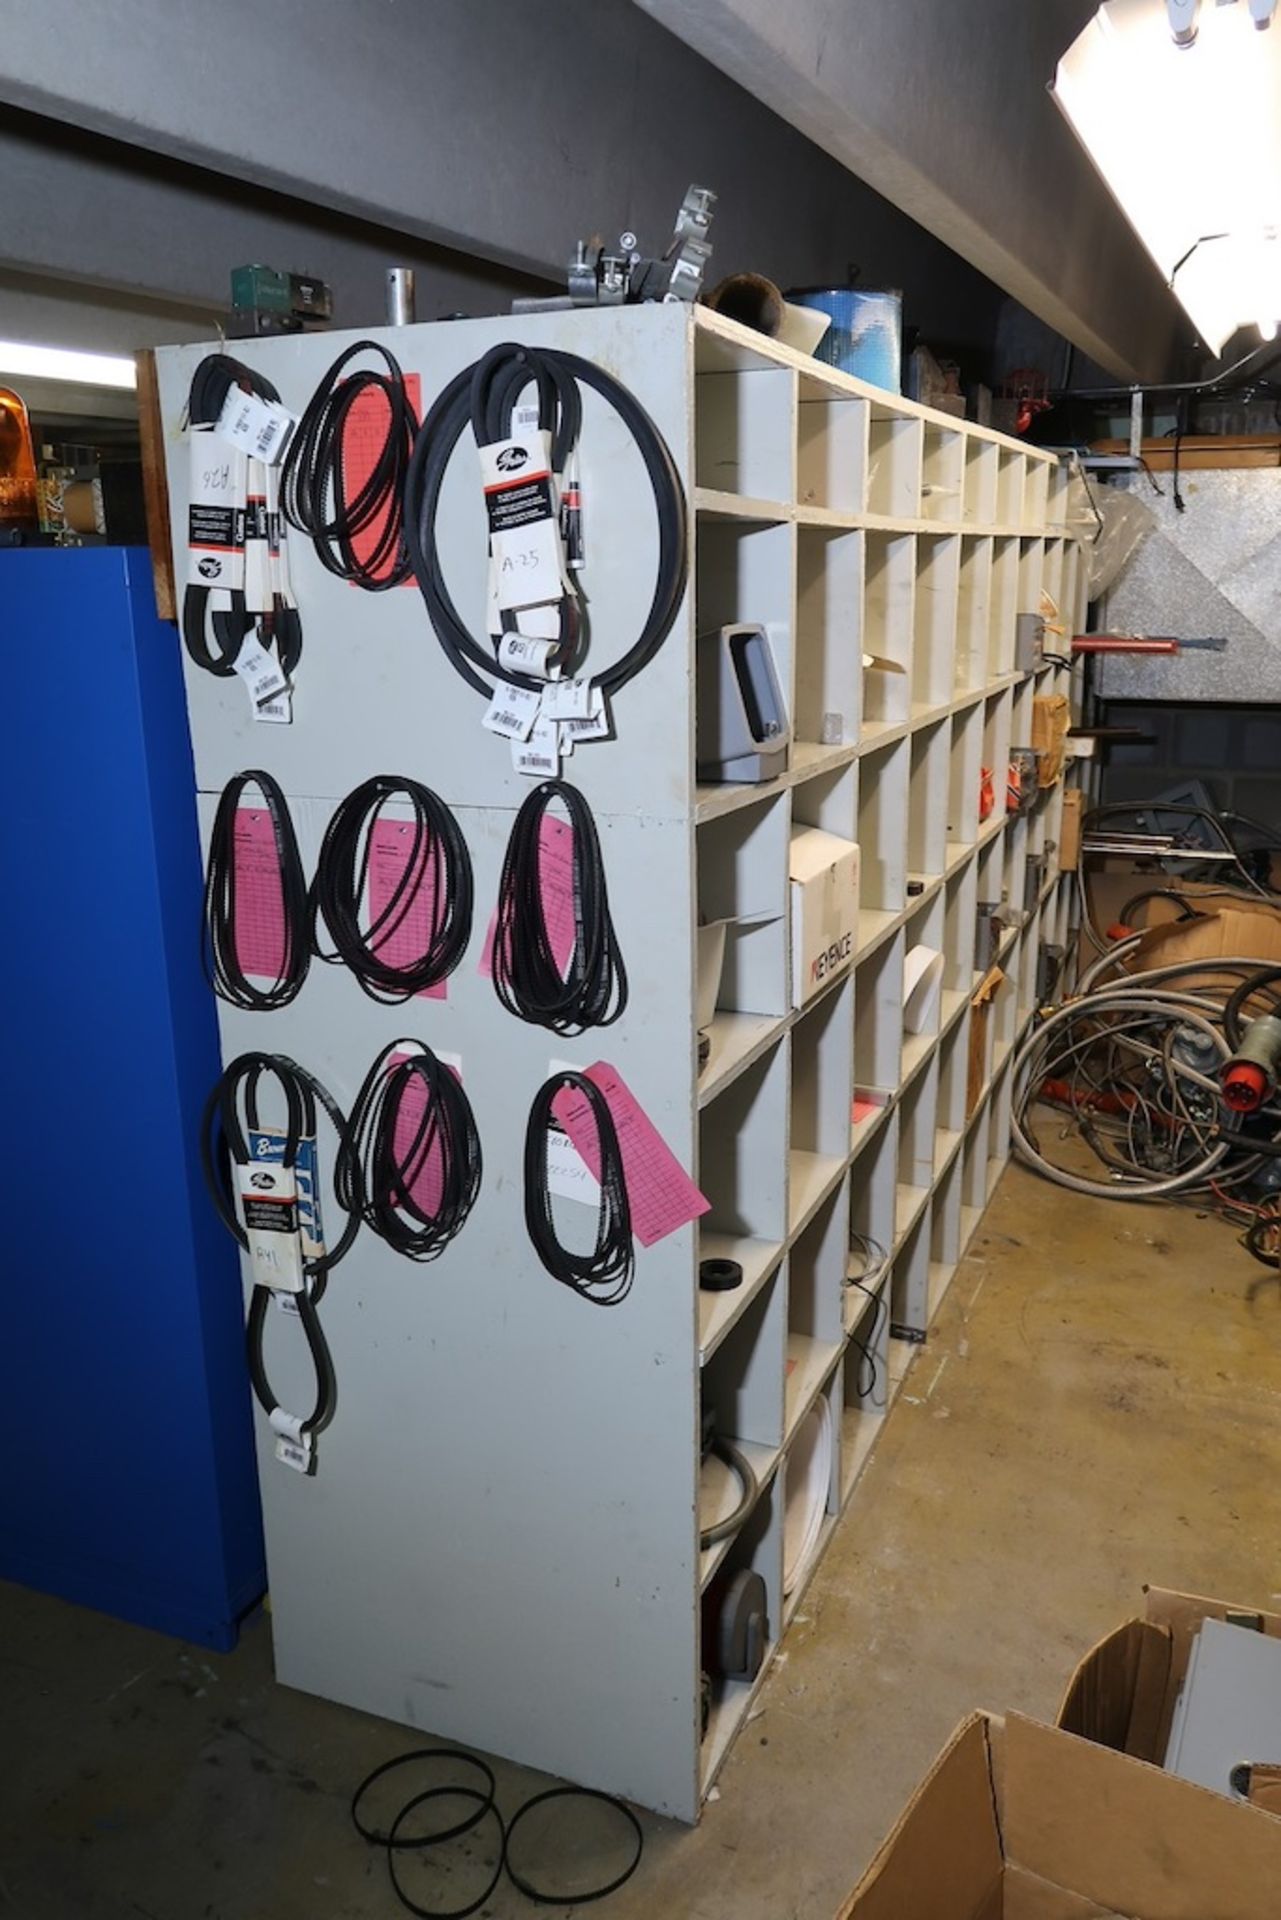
[61, 363]
[1188, 138]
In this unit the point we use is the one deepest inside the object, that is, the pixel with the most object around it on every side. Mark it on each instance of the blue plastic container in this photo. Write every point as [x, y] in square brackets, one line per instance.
[866, 334]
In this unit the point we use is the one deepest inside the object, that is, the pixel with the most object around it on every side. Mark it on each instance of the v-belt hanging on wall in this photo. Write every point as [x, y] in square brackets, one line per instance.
[534, 659]
[556, 959]
[237, 556]
[354, 523]
[603, 1275]
[257, 928]
[416, 874]
[264, 1181]
[410, 1162]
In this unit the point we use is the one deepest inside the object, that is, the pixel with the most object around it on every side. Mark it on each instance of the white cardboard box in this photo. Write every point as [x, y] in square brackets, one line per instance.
[824, 896]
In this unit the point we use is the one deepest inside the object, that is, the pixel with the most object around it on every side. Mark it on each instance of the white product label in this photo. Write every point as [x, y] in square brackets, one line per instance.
[269, 1213]
[261, 428]
[569, 700]
[215, 512]
[568, 1175]
[279, 709]
[596, 726]
[524, 525]
[295, 1453]
[525, 417]
[542, 623]
[523, 653]
[513, 711]
[539, 756]
[267, 1146]
[286, 1303]
[260, 671]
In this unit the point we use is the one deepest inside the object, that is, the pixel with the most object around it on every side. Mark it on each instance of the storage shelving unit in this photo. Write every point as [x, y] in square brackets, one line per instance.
[542, 1597]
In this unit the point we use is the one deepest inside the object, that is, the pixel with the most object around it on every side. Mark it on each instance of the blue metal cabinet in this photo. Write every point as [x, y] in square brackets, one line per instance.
[127, 1477]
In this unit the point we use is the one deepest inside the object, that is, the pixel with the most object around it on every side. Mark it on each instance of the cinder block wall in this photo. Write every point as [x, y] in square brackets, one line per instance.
[1234, 750]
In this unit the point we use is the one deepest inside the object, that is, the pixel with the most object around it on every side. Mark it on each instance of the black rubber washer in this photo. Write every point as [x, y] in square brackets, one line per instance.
[719, 1276]
[530, 1891]
[432, 1839]
[396, 1845]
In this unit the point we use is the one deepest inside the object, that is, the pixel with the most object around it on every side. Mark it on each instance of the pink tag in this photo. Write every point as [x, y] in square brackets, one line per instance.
[555, 891]
[863, 1109]
[260, 896]
[364, 433]
[663, 1198]
[405, 939]
[426, 1183]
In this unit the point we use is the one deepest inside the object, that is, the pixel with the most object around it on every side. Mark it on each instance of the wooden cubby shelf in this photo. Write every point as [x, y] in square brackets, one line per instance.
[918, 542]
[887, 551]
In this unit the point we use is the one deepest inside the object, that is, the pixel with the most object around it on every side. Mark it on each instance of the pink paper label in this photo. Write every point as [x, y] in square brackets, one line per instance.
[364, 435]
[661, 1194]
[425, 1166]
[555, 892]
[260, 895]
[407, 936]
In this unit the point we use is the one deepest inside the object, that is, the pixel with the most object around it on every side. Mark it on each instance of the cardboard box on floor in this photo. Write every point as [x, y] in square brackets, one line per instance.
[1242, 931]
[1113, 885]
[1123, 1693]
[1020, 1821]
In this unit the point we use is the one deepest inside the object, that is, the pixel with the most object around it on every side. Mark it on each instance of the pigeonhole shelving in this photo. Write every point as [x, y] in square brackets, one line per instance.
[500, 1544]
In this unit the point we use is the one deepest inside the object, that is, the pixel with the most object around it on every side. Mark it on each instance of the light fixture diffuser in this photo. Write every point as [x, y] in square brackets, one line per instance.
[1188, 139]
[22, 357]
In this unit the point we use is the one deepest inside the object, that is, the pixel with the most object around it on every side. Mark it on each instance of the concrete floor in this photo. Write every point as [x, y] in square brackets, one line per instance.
[1100, 1405]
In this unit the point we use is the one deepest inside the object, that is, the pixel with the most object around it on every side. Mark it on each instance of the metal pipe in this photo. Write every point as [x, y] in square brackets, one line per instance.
[751, 299]
[400, 296]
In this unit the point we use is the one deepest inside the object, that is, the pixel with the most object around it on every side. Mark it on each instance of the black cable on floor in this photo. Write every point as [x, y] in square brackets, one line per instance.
[356, 534]
[411, 1122]
[603, 1276]
[549, 1897]
[590, 988]
[454, 1756]
[436, 869]
[395, 1843]
[224, 1146]
[484, 396]
[224, 904]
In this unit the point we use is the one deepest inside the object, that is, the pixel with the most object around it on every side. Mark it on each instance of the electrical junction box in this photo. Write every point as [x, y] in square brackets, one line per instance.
[265, 301]
[823, 872]
[1029, 643]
